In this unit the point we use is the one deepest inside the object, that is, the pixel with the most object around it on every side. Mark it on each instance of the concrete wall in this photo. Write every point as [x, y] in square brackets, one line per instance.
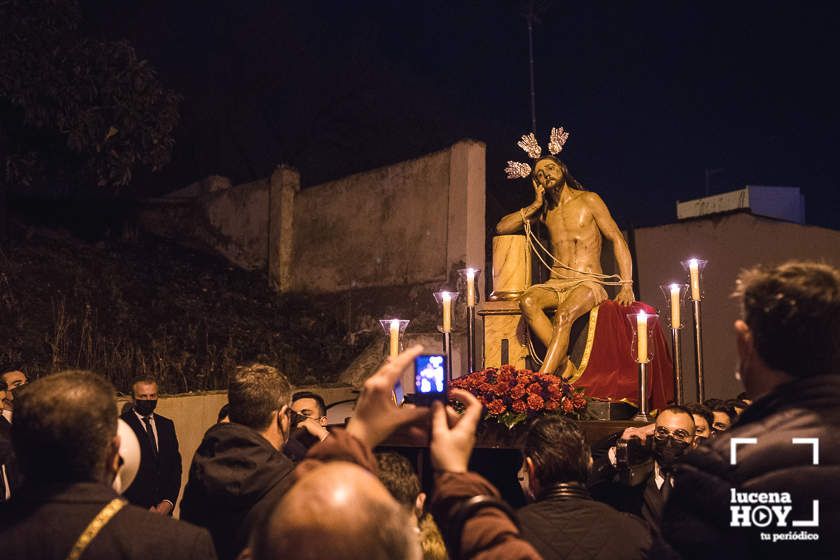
[410, 223]
[730, 243]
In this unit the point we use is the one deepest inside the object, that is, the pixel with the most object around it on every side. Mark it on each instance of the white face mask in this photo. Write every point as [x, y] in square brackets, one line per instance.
[130, 457]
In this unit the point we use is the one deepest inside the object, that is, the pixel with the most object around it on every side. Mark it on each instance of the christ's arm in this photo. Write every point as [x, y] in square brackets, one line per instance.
[610, 230]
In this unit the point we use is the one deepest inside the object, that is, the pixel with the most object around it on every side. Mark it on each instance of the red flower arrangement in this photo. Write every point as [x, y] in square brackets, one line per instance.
[511, 396]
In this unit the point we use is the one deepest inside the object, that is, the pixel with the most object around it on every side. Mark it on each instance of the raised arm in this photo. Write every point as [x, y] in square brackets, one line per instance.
[610, 230]
[512, 223]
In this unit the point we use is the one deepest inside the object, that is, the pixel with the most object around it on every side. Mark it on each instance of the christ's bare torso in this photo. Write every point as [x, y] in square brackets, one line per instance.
[574, 236]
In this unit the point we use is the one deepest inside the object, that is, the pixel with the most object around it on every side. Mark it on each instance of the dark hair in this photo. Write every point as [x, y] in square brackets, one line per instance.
[699, 409]
[558, 449]
[322, 406]
[63, 427]
[567, 177]
[793, 312]
[3, 384]
[736, 404]
[224, 411]
[142, 379]
[398, 476]
[255, 393]
[722, 406]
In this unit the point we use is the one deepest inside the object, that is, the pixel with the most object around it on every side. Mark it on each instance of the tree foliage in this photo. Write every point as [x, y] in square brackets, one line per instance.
[76, 108]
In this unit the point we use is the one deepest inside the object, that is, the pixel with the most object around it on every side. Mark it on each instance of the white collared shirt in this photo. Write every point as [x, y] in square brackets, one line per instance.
[154, 426]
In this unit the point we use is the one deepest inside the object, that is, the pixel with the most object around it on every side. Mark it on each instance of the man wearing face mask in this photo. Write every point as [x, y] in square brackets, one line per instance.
[66, 441]
[239, 471]
[562, 520]
[670, 438]
[158, 481]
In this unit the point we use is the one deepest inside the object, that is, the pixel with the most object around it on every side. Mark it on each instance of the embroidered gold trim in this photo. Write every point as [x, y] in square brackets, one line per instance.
[102, 518]
[587, 350]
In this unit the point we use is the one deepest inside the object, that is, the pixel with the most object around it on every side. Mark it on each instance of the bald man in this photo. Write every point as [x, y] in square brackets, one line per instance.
[330, 513]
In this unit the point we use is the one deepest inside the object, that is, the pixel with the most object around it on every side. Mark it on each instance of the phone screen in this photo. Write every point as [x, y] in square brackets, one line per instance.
[430, 377]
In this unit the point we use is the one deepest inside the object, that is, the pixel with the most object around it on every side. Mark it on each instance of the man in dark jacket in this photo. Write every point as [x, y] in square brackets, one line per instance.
[564, 521]
[784, 450]
[238, 472]
[66, 443]
[158, 480]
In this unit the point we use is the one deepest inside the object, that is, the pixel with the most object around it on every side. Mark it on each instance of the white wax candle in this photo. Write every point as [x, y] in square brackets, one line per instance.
[641, 328]
[470, 287]
[675, 306]
[694, 275]
[394, 338]
[447, 311]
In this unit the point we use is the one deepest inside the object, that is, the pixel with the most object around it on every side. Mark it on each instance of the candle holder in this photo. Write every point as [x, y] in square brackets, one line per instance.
[469, 276]
[695, 268]
[640, 324]
[446, 300]
[394, 331]
[674, 298]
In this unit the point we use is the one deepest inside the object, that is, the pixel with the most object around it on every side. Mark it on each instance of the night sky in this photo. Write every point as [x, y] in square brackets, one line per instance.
[654, 93]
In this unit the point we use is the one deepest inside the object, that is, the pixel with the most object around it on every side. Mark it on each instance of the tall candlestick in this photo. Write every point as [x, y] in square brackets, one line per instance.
[675, 305]
[394, 338]
[642, 346]
[694, 276]
[470, 287]
[447, 311]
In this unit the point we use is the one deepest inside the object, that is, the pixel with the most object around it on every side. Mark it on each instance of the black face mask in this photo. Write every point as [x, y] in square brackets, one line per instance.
[145, 407]
[667, 450]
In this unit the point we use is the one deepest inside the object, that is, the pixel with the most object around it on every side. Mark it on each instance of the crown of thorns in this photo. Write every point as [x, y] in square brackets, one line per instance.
[556, 141]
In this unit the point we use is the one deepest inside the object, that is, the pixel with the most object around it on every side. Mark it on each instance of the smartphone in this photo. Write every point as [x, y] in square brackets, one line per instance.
[430, 379]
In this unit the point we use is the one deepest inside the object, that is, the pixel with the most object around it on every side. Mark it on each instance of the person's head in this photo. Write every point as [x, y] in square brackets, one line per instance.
[311, 405]
[144, 394]
[737, 405]
[12, 380]
[337, 510]
[554, 174]
[555, 451]
[398, 476]
[259, 397]
[724, 414]
[65, 429]
[703, 420]
[790, 324]
[673, 435]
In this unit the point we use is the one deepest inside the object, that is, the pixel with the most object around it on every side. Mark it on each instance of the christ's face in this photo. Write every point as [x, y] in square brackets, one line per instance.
[548, 173]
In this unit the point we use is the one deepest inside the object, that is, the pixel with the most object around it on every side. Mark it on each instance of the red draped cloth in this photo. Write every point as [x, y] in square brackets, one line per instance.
[611, 372]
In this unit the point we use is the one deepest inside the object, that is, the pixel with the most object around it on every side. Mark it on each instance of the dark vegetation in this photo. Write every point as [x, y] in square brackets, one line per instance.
[147, 306]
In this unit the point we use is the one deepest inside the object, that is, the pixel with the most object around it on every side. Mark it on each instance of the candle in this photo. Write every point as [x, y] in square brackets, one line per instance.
[446, 298]
[470, 287]
[694, 275]
[641, 328]
[394, 338]
[675, 306]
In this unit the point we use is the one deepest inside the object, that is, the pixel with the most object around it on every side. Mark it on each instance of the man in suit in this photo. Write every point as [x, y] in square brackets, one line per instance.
[12, 379]
[669, 439]
[158, 481]
[65, 439]
[563, 520]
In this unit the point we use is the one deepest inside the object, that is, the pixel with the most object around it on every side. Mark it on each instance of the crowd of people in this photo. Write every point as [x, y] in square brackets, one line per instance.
[272, 480]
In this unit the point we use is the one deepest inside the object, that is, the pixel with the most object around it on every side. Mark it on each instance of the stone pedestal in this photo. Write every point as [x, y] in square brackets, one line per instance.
[505, 334]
